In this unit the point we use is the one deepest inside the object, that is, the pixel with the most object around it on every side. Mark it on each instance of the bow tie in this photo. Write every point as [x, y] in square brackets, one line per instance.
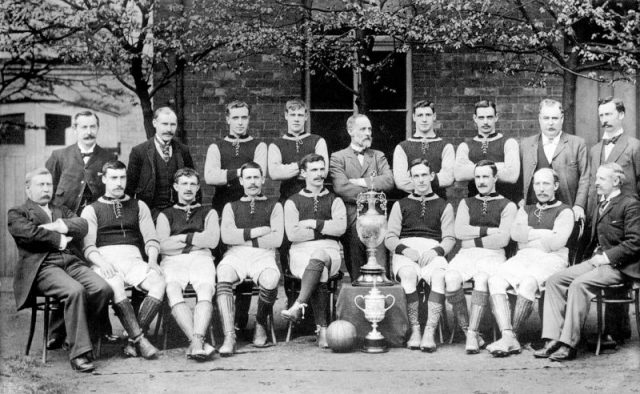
[359, 152]
[607, 141]
[83, 155]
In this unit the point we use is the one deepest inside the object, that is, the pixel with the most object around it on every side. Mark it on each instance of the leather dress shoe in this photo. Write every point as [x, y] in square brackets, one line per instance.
[564, 353]
[549, 348]
[81, 364]
[55, 343]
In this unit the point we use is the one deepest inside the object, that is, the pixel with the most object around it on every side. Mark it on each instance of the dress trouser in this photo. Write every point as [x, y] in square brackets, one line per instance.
[568, 297]
[84, 293]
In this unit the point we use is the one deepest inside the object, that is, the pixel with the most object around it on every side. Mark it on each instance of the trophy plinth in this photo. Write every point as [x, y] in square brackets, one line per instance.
[374, 311]
[371, 225]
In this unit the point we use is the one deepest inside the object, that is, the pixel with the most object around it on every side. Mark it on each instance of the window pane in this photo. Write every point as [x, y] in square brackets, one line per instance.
[333, 127]
[328, 93]
[388, 131]
[56, 126]
[12, 129]
[389, 86]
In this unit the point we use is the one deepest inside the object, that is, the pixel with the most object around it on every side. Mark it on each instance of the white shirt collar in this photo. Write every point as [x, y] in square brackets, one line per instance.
[82, 150]
[612, 195]
[546, 140]
[619, 132]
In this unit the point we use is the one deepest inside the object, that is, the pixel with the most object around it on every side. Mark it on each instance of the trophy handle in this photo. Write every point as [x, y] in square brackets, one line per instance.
[393, 301]
[355, 300]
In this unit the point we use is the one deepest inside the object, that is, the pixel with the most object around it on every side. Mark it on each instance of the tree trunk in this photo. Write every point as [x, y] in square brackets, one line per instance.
[569, 81]
[142, 91]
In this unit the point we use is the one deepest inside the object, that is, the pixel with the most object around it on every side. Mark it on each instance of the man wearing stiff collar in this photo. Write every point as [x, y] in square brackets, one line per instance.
[354, 170]
[483, 223]
[46, 265]
[542, 231]
[76, 184]
[615, 241]
[119, 228]
[566, 154]
[252, 227]
[227, 155]
[153, 163]
[617, 146]
[187, 232]
[314, 220]
[286, 152]
[489, 145]
[427, 145]
[420, 233]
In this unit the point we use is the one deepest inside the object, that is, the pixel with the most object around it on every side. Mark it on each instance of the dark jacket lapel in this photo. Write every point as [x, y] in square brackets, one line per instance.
[38, 212]
[562, 145]
[618, 148]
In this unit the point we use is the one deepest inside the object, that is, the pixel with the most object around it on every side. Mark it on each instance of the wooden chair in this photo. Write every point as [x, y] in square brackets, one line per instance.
[604, 297]
[46, 305]
[255, 291]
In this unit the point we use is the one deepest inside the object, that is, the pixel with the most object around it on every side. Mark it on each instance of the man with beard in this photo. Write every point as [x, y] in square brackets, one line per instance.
[119, 227]
[354, 170]
[153, 163]
[46, 265]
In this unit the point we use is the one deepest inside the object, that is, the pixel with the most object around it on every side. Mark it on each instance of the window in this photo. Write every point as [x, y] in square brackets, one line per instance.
[56, 125]
[12, 128]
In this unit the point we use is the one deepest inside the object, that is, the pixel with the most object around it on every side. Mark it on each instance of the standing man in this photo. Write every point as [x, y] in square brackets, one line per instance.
[252, 227]
[566, 154]
[615, 241]
[489, 145]
[483, 225]
[187, 233]
[76, 184]
[119, 228]
[424, 144]
[354, 170]
[46, 265]
[153, 163]
[421, 233]
[617, 146]
[542, 231]
[286, 152]
[314, 219]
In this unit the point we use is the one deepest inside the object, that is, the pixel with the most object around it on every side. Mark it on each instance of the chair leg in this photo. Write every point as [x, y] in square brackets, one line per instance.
[273, 329]
[453, 329]
[599, 317]
[637, 304]
[45, 334]
[32, 328]
[98, 349]
[289, 329]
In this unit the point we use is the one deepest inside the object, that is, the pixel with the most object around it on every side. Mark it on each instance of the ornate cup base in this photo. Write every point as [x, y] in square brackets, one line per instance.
[367, 277]
[374, 346]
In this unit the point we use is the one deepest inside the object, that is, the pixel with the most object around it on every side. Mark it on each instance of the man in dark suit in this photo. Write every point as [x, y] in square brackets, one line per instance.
[354, 170]
[617, 146]
[615, 242]
[76, 184]
[566, 154]
[46, 266]
[153, 163]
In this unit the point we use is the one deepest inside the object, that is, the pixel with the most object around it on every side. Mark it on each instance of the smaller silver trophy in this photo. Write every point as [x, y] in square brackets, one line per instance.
[374, 311]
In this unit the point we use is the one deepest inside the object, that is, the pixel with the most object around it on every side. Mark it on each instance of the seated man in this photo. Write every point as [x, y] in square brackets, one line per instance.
[482, 224]
[187, 232]
[314, 220]
[420, 235]
[118, 227]
[252, 227]
[542, 231]
[614, 246]
[46, 265]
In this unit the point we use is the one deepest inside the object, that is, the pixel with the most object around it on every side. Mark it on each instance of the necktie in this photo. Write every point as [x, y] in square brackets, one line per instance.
[166, 152]
[607, 141]
[86, 154]
[602, 206]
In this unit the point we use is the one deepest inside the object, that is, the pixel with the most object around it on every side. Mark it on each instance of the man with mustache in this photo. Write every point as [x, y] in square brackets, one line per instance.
[119, 228]
[46, 266]
[354, 170]
[286, 152]
[617, 146]
[489, 145]
[153, 163]
[427, 145]
[76, 183]
[615, 241]
[252, 227]
[187, 233]
[542, 231]
[483, 223]
[421, 233]
[564, 153]
[314, 219]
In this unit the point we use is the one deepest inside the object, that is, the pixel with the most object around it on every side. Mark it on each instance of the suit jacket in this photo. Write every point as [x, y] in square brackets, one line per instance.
[344, 165]
[141, 173]
[35, 243]
[71, 175]
[626, 152]
[617, 231]
[570, 161]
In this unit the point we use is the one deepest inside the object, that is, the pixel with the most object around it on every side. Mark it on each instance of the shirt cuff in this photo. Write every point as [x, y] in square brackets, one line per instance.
[232, 174]
[439, 250]
[477, 242]
[189, 240]
[400, 248]
[246, 234]
[483, 231]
